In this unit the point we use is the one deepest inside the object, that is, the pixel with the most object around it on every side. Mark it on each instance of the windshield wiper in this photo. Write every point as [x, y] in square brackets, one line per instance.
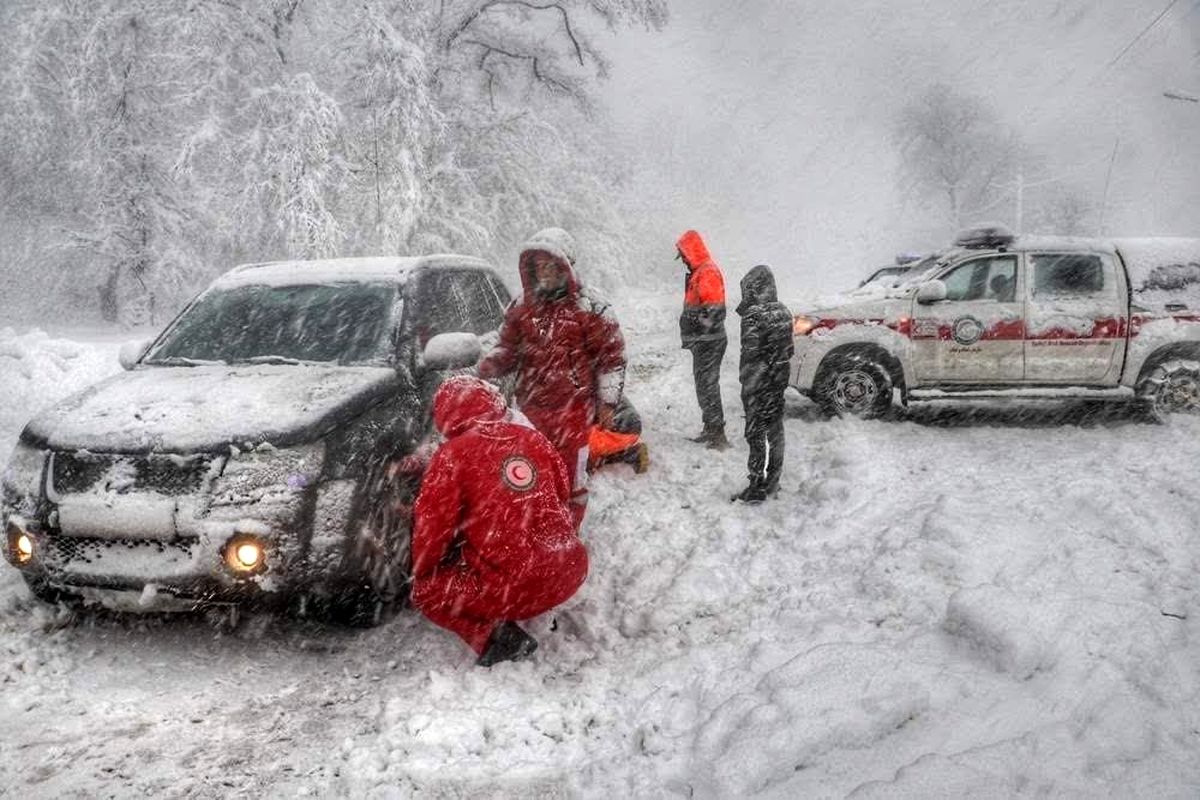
[274, 360]
[181, 361]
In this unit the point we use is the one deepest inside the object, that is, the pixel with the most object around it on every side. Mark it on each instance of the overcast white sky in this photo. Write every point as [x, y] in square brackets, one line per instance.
[765, 124]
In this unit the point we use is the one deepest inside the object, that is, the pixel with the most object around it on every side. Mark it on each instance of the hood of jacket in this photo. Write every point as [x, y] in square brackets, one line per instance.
[758, 288]
[695, 252]
[465, 401]
[559, 245]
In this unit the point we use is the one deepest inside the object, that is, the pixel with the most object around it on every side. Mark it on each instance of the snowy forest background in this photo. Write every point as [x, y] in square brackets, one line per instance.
[148, 145]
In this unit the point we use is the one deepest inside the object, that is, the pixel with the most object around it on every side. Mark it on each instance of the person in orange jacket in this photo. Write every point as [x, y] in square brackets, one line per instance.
[702, 330]
[618, 440]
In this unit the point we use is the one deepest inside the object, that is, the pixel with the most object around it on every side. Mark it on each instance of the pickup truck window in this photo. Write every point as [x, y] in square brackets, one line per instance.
[990, 278]
[1069, 274]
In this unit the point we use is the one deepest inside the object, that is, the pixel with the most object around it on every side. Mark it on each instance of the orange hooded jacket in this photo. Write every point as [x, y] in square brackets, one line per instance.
[703, 317]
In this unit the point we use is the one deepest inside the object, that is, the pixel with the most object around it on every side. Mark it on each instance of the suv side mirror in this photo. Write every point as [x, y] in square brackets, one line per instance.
[931, 292]
[131, 352]
[451, 351]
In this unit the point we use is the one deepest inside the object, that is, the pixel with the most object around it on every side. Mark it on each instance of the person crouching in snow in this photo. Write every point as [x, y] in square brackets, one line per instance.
[565, 346]
[617, 439]
[493, 537]
[763, 371]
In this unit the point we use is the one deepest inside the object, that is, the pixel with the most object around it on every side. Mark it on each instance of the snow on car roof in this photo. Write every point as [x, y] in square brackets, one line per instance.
[339, 270]
[1068, 243]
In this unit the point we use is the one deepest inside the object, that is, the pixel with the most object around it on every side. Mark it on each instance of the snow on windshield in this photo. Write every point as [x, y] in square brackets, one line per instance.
[345, 323]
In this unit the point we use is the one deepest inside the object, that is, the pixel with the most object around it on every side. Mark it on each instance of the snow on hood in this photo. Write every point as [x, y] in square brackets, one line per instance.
[187, 409]
[560, 246]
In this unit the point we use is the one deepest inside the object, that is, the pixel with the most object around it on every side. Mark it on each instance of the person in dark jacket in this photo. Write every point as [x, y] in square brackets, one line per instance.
[493, 538]
[763, 371]
[564, 344]
[702, 330]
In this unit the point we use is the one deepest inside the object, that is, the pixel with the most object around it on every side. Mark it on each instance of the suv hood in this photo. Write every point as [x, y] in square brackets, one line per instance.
[190, 409]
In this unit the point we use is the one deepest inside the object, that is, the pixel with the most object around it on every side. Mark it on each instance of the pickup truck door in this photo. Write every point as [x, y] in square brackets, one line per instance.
[1077, 321]
[975, 335]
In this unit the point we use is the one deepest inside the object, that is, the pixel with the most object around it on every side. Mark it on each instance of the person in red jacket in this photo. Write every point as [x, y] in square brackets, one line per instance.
[565, 346]
[493, 538]
[702, 330]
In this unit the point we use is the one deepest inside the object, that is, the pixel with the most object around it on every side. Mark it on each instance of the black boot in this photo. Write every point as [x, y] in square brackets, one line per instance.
[508, 642]
[752, 494]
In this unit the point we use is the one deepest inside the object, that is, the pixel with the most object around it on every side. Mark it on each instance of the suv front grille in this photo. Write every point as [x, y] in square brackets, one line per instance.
[171, 475]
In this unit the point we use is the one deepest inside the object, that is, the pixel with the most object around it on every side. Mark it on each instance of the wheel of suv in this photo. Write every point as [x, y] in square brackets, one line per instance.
[380, 551]
[853, 385]
[1172, 387]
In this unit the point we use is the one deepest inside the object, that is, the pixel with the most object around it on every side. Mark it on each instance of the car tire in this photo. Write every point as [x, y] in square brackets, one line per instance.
[853, 385]
[381, 551]
[1172, 387]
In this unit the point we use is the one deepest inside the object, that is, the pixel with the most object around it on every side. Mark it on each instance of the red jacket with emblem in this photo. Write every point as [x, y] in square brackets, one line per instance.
[567, 350]
[494, 499]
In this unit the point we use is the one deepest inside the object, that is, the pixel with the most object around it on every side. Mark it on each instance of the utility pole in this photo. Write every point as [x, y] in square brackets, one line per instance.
[1107, 182]
[1020, 221]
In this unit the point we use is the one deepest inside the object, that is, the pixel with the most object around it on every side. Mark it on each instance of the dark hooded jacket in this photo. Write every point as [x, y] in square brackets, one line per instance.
[767, 345]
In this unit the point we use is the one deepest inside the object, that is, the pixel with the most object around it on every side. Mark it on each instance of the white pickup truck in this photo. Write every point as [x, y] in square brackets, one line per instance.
[1032, 316]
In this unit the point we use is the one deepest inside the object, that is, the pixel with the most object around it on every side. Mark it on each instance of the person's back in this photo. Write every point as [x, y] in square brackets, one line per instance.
[522, 527]
[493, 538]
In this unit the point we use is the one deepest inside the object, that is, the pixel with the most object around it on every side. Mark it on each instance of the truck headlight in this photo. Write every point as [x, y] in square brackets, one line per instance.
[802, 325]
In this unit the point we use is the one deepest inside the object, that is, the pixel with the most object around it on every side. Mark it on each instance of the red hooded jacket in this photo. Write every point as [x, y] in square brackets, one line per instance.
[567, 350]
[494, 502]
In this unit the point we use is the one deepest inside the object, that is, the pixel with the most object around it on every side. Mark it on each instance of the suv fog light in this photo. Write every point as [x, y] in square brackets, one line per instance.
[245, 554]
[20, 545]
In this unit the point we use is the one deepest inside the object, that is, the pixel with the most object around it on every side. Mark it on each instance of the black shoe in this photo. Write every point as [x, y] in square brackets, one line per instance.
[752, 494]
[508, 642]
[639, 457]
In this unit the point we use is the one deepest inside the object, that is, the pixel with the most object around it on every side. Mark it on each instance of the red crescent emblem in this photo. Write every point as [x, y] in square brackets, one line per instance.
[518, 474]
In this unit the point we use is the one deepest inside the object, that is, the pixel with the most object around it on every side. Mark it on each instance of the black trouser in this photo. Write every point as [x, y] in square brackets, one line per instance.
[706, 369]
[764, 434]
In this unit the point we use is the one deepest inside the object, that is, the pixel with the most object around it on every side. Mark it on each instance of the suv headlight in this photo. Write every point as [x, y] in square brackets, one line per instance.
[21, 479]
[249, 476]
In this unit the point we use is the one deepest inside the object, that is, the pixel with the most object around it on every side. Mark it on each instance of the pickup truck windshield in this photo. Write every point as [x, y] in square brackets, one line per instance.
[346, 323]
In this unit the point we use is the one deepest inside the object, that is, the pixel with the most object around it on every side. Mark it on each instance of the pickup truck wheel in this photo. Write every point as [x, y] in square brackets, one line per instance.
[381, 551]
[1172, 387]
[854, 385]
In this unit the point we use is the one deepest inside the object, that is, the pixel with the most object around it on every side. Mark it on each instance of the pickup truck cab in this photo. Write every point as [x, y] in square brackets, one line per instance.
[1027, 315]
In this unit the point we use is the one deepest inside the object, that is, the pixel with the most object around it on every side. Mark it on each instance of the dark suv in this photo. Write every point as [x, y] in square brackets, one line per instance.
[257, 451]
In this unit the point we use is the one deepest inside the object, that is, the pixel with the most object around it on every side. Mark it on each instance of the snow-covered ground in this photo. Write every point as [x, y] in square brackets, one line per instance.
[988, 602]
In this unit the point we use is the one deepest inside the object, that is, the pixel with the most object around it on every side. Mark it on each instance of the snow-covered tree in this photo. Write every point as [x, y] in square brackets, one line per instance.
[954, 150]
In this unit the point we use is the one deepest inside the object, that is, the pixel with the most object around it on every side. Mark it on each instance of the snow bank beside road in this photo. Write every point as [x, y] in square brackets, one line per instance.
[37, 370]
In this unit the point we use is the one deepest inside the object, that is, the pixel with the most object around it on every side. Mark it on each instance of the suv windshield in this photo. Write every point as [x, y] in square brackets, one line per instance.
[346, 323]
